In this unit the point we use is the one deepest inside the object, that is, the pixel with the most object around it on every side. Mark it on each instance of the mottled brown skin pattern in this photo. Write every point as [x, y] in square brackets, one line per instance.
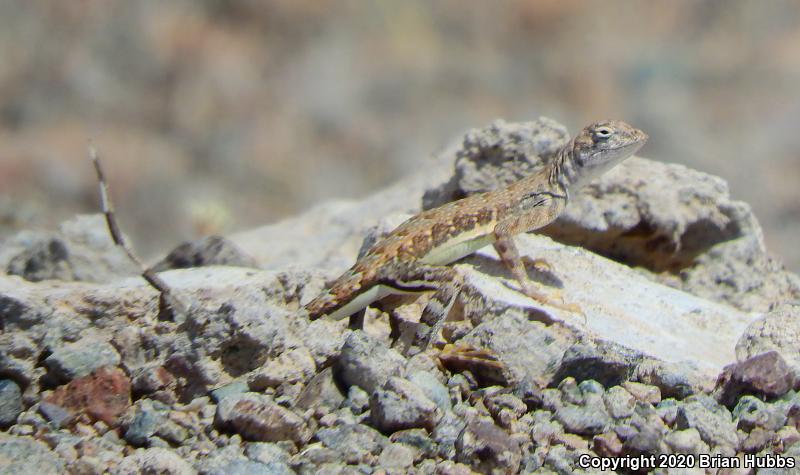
[526, 205]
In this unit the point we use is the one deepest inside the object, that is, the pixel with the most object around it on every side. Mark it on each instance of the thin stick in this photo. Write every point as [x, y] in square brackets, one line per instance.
[168, 300]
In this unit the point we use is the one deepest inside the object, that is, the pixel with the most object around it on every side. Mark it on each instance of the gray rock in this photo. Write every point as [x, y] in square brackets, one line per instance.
[674, 380]
[396, 457]
[603, 361]
[206, 251]
[238, 386]
[10, 403]
[668, 411]
[74, 360]
[751, 412]
[367, 363]
[487, 448]
[26, 455]
[357, 400]
[354, 443]
[686, 441]
[619, 402]
[154, 460]
[321, 393]
[505, 409]
[446, 434]
[148, 417]
[589, 419]
[400, 404]
[81, 250]
[713, 421]
[266, 453]
[432, 387]
[777, 330]
[647, 432]
[258, 418]
[292, 366]
[497, 155]
[418, 439]
[229, 460]
[585, 412]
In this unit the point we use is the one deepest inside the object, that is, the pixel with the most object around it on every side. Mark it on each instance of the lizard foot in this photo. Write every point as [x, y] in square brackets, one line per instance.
[482, 363]
[556, 299]
[541, 264]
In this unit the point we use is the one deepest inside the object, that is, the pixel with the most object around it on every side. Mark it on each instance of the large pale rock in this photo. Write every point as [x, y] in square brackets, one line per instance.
[620, 305]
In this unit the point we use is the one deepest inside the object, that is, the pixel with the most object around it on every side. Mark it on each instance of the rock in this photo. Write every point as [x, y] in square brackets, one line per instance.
[686, 441]
[505, 409]
[148, 416]
[399, 405]
[322, 394]
[647, 432]
[498, 155]
[418, 440]
[712, 421]
[433, 389]
[707, 338]
[266, 453]
[643, 392]
[353, 443]
[10, 403]
[103, 395]
[674, 380]
[80, 250]
[582, 410]
[357, 400]
[398, 457]
[447, 432]
[151, 379]
[530, 349]
[292, 366]
[238, 386]
[74, 360]
[750, 412]
[602, 361]
[607, 444]
[206, 251]
[757, 440]
[258, 418]
[619, 402]
[765, 374]
[154, 460]
[44, 259]
[777, 330]
[487, 448]
[26, 455]
[367, 363]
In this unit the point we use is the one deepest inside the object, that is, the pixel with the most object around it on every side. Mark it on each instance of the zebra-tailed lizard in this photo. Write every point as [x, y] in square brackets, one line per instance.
[414, 257]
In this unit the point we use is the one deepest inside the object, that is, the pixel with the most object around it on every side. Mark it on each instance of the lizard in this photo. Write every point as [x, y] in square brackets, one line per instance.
[414, 257]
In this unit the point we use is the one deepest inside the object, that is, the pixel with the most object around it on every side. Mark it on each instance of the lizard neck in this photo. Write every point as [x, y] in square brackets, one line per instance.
[564, 172]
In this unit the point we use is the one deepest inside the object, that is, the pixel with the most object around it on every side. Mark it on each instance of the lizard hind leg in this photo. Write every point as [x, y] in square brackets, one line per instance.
[446, 283]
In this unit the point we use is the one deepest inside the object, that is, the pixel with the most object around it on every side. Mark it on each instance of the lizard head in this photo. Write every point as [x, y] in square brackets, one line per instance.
[602, 145]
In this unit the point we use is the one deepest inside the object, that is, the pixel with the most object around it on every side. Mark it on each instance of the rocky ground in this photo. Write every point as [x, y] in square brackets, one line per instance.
[688, 345]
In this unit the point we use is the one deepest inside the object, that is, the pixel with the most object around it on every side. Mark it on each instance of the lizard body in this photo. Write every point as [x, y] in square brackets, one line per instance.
[413, 257]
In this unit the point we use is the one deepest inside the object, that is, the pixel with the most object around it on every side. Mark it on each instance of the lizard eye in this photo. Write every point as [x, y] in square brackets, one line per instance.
[603, 132]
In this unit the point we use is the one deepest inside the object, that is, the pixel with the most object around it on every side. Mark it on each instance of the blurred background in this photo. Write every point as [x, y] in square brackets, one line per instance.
[216, 116]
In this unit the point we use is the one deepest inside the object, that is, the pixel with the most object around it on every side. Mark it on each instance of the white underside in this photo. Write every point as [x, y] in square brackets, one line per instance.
[448, 253]
[440, 256]
[365, 298]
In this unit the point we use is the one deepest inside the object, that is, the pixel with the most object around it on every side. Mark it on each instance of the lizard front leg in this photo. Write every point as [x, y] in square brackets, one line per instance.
[507, 250]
